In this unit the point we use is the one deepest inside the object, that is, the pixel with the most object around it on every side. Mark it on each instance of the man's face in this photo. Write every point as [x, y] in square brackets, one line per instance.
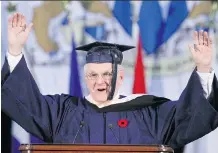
[98, 79]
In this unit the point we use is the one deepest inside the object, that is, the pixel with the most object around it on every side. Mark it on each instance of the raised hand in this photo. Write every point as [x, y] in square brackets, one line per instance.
[18, 32]
[202, 51]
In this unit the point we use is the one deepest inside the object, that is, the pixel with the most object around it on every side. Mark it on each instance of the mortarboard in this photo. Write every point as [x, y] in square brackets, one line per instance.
[102, 52]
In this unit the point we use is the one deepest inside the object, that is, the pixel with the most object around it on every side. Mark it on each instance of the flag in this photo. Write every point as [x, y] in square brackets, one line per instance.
[75, 86]
[156, 31]
[74, 83]
[150, 26]
[97, 32]
[122, 12]
[139, 77]
[177, 13]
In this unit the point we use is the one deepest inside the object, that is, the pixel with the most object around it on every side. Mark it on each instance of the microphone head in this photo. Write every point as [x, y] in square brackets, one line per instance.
[110, 126]
[82, 123]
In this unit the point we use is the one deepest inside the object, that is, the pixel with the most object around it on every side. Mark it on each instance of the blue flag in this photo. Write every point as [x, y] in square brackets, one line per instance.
[176, 15]
[150, 25]
[122, 12]
[75, 86]
[97, 32]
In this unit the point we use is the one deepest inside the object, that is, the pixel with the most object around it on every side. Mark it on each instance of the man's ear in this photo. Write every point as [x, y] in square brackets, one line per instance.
[121, 77]
[122, 74]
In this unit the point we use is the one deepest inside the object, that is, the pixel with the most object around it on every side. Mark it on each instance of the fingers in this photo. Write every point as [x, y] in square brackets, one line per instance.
[205, 38]
[10, 20]
[29, 28]
[201, 37]
[14, 20]
[210, 42]
[17, 20]
[192, 50]
[196, 37]
[23, 21]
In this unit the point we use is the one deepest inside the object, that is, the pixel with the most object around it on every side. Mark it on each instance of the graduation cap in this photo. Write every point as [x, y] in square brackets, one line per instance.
[102, 52]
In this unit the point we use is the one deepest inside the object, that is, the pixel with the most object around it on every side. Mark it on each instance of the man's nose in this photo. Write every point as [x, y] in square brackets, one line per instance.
[99, 80]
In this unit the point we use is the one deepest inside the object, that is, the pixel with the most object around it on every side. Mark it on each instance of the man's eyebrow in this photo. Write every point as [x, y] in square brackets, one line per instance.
[109, 70]
[92, 71]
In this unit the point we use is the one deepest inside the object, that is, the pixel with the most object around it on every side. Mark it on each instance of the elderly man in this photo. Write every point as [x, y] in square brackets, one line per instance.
[103, 116]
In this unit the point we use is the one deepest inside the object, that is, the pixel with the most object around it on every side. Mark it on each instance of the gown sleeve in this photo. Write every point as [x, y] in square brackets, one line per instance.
[177, 123]
[22, 101]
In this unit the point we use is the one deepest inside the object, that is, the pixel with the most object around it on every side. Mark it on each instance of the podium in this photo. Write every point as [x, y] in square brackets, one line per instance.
[93, 148]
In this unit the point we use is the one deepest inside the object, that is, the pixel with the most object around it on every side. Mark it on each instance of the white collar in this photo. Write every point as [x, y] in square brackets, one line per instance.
[115, 100]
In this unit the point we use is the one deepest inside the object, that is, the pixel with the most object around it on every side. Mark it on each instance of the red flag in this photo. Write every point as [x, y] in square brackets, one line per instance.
[139, 77]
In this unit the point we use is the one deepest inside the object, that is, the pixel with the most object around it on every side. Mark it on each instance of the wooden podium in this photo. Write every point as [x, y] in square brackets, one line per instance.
[90, 148]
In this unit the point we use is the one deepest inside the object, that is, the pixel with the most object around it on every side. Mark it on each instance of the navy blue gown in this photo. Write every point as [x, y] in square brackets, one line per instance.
[146, 119]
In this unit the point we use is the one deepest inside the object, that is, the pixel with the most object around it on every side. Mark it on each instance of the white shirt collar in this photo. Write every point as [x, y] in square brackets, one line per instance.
[115, 100]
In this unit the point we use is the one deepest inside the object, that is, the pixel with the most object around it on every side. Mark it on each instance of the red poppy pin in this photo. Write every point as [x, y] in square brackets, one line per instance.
[122, 123]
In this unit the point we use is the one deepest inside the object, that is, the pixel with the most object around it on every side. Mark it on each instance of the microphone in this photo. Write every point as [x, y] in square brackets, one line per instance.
[111, 128]
[80, 127]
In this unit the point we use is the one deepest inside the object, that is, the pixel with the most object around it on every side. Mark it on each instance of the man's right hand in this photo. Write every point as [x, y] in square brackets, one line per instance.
[18, 32]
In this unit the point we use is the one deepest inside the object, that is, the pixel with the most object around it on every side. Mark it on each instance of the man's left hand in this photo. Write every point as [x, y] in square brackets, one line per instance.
[202, 51]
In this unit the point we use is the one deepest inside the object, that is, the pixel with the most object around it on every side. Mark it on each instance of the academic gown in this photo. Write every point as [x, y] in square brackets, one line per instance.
[147, 119]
